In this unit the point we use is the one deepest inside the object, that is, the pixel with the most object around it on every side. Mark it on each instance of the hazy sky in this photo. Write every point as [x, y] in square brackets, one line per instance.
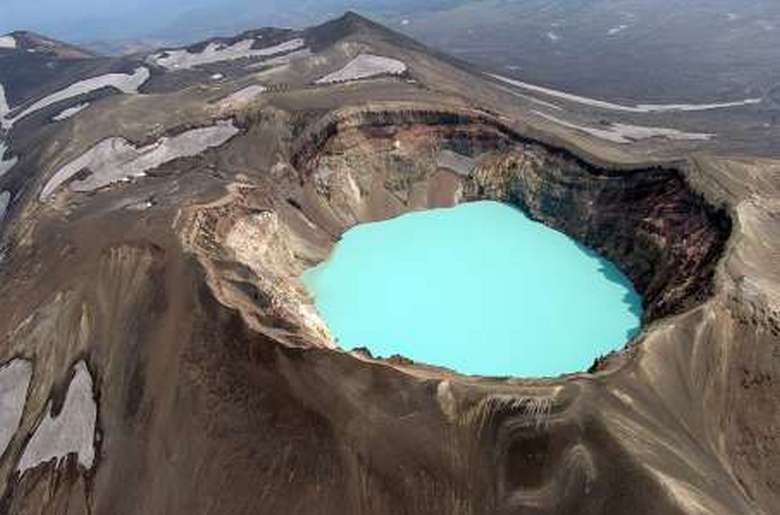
[14, 13]
[82, 20]
[84, 16]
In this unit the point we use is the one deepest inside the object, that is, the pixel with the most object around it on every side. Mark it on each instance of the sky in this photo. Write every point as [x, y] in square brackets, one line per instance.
[81, 20]
[76, 17]
[86, 20]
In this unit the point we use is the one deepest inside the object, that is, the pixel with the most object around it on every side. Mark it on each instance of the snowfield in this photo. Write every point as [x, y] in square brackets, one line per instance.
[217, 52]
[641, 108]
[4, 107]
[72, 430]
[529, 98]
[624, 133]
[125, 83]
[70, 112]
[6, 164]
[7, 42]
[281, 60]
[14, 381]
[5, 199]
[363, 67]
[116, 159]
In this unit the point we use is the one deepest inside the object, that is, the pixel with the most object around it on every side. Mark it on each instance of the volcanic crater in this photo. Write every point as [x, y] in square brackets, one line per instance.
[174, 295]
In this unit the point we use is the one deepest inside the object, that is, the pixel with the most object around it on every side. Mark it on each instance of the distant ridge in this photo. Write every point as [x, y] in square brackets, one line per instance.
[32, 41]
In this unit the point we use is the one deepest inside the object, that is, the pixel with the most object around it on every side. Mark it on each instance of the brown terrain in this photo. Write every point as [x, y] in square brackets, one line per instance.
[172, 298]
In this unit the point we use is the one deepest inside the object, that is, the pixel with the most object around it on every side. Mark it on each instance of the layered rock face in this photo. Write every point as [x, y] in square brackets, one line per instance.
[664, 235]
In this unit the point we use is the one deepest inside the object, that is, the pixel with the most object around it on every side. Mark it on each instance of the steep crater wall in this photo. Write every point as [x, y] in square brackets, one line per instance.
[666, 237]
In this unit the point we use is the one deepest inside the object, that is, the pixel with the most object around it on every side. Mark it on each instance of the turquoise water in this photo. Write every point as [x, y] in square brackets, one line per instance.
[479, 288]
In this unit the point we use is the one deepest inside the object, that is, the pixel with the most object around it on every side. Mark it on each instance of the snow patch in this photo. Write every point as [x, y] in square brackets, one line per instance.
[7, 42]
[616, 30]
[6, 164]
[637, 132]
[280, 60]
[125, 83]
[140, 206]
[624, 133]
[116, 159]
[660, 108]
[363, 67]
[4, 107]
[5, 199]
[70, 112]
[641, 108]
[72, 430]
[14, 381]
[218, 52]
[530, 98]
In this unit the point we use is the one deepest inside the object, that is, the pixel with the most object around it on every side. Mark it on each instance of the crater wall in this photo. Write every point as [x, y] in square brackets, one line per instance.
[664, 235]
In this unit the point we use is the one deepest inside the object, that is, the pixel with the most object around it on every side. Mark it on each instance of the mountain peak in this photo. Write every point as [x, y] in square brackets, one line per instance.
[352, 23]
